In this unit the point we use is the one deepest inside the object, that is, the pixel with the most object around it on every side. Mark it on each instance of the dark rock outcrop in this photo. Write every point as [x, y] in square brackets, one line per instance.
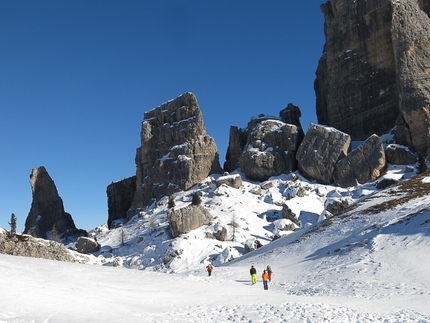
[120, 197]
[320, 151]
[237, 142]
[399, 155]
[176, 153]
[374, 72]
[87, 245]
[47, 210]
[188, 218]
[364, 164]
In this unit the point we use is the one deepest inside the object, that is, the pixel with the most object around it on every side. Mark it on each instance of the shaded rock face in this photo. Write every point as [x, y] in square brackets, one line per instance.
[120, 197]
[237, 142]
[175, 151]
[320, 151]
[364, 164]
[47, 210]
[411, 43]
[188, 218]
[399, 155]
[373, 74]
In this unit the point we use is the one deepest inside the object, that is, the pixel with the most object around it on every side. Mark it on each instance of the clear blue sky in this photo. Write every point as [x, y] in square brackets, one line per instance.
[77, 76]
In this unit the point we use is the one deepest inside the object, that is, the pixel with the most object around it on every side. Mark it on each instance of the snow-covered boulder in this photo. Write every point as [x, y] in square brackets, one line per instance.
[87, 245]
[234, 181]
[252, 244]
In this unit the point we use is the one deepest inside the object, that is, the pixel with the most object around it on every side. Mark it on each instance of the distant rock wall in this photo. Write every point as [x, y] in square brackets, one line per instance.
[374, 71]
[120, 197]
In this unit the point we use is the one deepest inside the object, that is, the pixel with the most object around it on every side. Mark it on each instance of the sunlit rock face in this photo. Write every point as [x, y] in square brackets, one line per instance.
[175, 152]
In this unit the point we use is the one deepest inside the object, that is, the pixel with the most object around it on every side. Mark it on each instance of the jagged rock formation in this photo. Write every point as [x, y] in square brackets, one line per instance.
[319, 152]
[240, 139]
[120, 197]
[270, 149]
[27, 246]
[47, 210]
[176, 152]
[373, 74]
[364, 164]
[188, 218]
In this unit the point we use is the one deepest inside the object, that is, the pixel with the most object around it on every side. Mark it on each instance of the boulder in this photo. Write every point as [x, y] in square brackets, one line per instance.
[47, 209]
[270, 149]
[87, 245]
[252, 244]
[288, 214]
[320, 151]
[175, 153]
[364, 164]
[234, 181]
[188, 218]
[399, 155]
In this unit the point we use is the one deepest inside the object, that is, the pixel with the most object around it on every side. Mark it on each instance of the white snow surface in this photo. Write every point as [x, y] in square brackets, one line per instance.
[370, 265]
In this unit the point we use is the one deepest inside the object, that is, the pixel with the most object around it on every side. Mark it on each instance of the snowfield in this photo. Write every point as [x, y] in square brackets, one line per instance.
[370, 264]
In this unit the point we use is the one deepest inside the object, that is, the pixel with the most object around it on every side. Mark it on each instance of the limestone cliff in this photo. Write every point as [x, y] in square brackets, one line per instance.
[373, 74]
[175, 151]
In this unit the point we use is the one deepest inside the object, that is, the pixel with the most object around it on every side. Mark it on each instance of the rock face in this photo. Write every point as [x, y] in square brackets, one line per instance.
[188, 218]
[364, 164]
[47, 210]
[270, 149]
[320, 151]
[175, 151]
[242, 139]
[120, 197]
[374, 74]
[410, 31]
[399, 155]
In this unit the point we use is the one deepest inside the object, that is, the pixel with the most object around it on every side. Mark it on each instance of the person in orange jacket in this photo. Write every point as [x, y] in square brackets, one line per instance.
[265, 278]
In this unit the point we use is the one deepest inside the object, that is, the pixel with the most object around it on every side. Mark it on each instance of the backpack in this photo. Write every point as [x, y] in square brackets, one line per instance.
[269, 269]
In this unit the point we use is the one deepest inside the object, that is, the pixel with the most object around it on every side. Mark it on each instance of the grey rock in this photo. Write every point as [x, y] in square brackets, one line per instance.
[234, 181]
[87, 245]
[252, 244]
[188, 218]
[399, 155]
[364, 164]
[337, 206]
[270, 150]
[288, 214]
[386, 182]
[175, 153]
[320, 151]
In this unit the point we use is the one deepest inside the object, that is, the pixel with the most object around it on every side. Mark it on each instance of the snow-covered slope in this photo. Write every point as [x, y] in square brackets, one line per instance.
[372, 264]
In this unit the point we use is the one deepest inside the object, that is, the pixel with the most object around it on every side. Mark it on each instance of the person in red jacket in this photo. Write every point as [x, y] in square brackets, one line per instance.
[265, 278]
[209, 269]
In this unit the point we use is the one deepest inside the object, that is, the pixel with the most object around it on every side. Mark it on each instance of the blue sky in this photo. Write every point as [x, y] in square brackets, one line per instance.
[77, 76]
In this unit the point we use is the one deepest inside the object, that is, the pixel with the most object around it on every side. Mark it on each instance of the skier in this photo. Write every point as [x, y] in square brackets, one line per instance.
[209, 269]
[253, 273]
[265, 277]
[269, 272]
